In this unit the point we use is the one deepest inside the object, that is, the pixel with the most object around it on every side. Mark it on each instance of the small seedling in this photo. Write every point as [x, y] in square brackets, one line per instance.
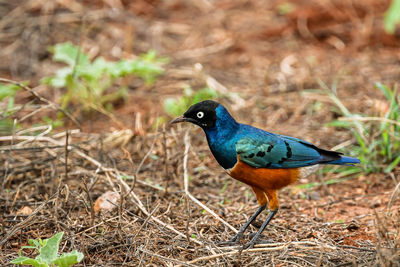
[53, 122]
[93, 83]
[48, 253]
[7, 94]
[7, 107]
[285, 8]
[175, 107]
[392, 17]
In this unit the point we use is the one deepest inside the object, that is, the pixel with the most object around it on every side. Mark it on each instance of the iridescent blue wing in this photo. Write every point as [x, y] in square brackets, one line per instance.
[278, 151]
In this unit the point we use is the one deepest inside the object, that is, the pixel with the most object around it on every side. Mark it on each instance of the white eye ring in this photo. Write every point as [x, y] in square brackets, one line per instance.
[200, 114]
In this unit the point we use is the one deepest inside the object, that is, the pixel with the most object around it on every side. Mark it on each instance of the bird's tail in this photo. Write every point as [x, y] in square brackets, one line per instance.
[344, 161]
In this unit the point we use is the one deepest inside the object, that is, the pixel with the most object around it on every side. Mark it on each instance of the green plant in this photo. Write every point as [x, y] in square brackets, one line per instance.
[175, 107]
[90, 82]
[53, 122]
[392, 17]
[7, 107]
[378, 138]
[48, 253]
[285, 8]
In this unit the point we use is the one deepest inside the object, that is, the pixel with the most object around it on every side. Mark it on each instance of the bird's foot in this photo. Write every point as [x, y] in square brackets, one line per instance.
[249, 244]
[255, 239]
[234, 241]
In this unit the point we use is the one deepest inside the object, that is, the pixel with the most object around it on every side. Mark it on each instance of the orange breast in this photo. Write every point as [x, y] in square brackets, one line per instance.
[265, 179]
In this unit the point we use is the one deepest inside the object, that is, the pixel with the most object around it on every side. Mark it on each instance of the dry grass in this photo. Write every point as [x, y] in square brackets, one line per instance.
[149, 225]
[163, 218]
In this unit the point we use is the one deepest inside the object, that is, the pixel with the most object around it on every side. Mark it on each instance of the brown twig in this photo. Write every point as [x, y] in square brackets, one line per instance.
[66, 155]
[186, 185]
[165, 258]
[165, 149]
[236, 251]
[146, 220]
[92, 213]
[40, 98]
[188, 218]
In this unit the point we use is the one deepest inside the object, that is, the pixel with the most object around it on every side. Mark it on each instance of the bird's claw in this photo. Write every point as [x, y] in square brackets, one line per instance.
[254, 241]
[234, 241]
[248, 245]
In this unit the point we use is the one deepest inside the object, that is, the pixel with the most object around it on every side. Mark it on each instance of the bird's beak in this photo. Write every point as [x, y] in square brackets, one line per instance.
[178, 119]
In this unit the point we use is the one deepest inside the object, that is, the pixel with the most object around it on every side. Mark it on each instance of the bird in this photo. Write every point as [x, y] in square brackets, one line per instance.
[265, 161]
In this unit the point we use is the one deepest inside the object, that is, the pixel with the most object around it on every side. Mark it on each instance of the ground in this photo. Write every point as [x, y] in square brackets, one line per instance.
[267, 65]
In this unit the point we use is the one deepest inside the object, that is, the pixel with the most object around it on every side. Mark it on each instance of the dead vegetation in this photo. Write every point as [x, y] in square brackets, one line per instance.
[174, 202]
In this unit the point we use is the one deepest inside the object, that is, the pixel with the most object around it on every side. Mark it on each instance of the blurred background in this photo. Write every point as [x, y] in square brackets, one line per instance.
[108, 75]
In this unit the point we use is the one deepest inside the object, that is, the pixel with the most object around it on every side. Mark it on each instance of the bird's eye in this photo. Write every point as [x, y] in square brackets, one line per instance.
[200, 114]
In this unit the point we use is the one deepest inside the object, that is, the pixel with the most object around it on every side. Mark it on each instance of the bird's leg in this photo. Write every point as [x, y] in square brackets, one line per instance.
[257, 235]
[262, 201]
[239, 234]
[273, 207]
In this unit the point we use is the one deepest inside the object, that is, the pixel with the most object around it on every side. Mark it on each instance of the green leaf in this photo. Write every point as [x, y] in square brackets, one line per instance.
[337, 123]
[204, 94]
[69, 54]
[49, 251]
[68, 259]
[8, 90]
[392, 165]
[59, 79]
[285, 8]
[55, 123]
[29, 261]
[34, 242]
[392, 17]
[347, 172]
[384, 89]
[6, 126]
[145, 70]
[307, 186]
[10, 104]
[89, 83]
[172, 107]
[151, 56]
[96, 70]
[175, 107]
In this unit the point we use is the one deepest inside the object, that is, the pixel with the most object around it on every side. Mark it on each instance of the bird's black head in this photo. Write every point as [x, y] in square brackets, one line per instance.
[202, 114]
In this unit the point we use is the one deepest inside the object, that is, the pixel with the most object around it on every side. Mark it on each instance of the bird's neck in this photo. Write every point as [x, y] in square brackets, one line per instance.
[225, 126]
[221, 139]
